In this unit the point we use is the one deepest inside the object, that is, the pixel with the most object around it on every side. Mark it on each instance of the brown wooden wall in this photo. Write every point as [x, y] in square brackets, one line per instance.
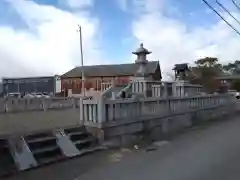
[90, 82]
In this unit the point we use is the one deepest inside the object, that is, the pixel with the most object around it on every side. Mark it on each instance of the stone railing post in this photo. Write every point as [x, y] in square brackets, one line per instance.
[166, 95]
[113, 93]
[168, 104]
[44, 105]
[6, 109]
[81, 110]
[101, 110]
[73, 101]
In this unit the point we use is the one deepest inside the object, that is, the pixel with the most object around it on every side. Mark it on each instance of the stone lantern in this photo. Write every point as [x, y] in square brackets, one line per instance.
[142, 61]
[142, 80]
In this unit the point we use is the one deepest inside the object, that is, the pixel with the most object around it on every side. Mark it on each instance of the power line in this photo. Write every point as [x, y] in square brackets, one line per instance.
[225, 9]
[236, 4]
[221, 17]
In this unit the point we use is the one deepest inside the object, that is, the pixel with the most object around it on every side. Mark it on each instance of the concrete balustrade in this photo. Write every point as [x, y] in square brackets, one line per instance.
[114, 110]
[89, 110]
[29, 115]
[36, 104]
[115, 120]
[58, 103]
[157, 90]
[106, 85]
[34, 114]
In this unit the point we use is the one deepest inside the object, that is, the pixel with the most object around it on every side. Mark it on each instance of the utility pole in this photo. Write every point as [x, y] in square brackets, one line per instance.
[81, 51]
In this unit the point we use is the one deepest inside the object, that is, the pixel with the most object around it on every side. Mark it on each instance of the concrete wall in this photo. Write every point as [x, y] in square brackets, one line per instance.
[110, 119]
[25, 122]
[13, 105]
[122, 121]
[128, 132]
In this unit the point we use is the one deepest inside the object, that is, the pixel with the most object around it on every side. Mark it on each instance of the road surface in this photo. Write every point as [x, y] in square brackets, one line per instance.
[207, 153]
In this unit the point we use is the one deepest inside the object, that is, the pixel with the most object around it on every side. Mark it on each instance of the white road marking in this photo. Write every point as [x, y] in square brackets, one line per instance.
[161, 143]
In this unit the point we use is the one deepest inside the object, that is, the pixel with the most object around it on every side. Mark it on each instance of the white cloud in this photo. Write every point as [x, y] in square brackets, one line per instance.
[123, 4]
[139, 6]
[50, 45]
[78, 3]
[171, 41]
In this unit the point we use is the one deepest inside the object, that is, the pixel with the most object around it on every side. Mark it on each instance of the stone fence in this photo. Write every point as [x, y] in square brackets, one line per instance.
[120, 121]
[102, 111]
[110, 119]
[8, 105]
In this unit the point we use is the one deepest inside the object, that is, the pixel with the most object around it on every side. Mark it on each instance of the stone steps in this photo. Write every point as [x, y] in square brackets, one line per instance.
[44, 147]
[7, 164]
[33, 150]
[83, 140]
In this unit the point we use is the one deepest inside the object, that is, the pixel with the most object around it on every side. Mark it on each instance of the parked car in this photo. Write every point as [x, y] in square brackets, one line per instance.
[237, 95]
[38, 95]
[14, 95]
[46, 95]
[29, 96]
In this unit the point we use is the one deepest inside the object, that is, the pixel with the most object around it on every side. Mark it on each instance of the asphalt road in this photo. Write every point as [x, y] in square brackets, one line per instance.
[207, 153]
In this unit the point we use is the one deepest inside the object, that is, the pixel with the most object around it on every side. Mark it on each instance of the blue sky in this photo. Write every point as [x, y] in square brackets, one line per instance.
[39, 36]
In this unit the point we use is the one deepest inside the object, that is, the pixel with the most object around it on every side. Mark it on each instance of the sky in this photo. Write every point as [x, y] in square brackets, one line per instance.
[40, 38]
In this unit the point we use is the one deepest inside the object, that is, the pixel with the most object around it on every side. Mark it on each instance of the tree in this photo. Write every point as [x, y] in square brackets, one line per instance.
[204, 72]
[207, 62]
[235, 85]
[232, 68]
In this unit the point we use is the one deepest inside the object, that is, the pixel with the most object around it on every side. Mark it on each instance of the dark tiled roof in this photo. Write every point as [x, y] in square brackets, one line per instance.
[180, 67]
[23, 78]
[110, 70]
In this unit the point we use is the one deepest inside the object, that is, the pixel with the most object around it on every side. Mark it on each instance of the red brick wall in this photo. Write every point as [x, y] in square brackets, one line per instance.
[91, 82]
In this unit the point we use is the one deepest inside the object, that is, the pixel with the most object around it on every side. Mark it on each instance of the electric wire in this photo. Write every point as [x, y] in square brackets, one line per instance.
[231, 26]
[226, 10]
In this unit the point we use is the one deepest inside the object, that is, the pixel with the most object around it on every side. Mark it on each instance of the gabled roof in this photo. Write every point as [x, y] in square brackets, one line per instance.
[110, 70]
[180, 67]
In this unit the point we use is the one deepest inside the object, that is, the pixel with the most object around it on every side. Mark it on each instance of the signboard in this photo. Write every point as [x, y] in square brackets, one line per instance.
[32, 80]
